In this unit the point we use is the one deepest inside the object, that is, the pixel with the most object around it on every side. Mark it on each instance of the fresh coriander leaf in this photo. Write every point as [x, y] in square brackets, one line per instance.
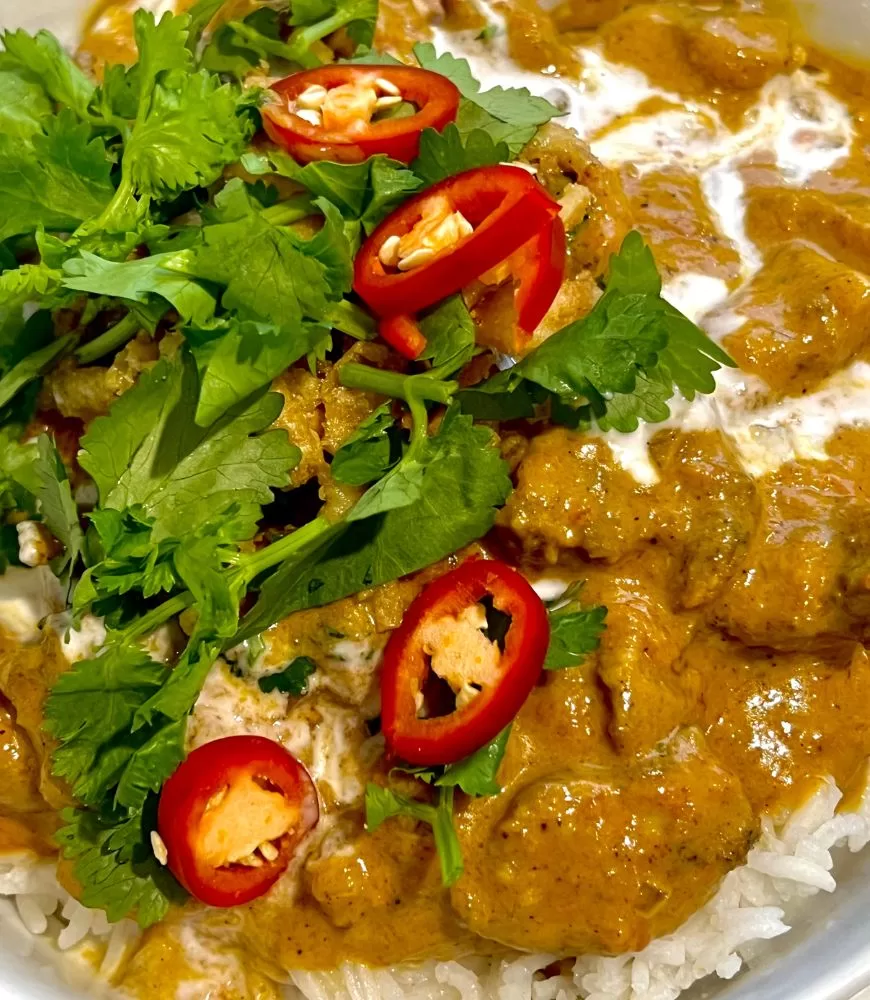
[117, 247]
[123, 557]
[330, 247]
[383, 804]
[269, 272]
[188, 126]
[177, 696]
[266, 195]
[23, 102]
[618, 365]
[19, 481]
[162, 48]
[56, 178]
[33, 366]
[601, 353]
[227, 53]
[193, 129]
[117, 97]
[403, 484]
[472, 118]
[575, 631]
[476, 775]
[690, 357]
[201, 564]
[139, 281]
[346, 185]
[501, 397]
[391, 183]
[28, 283]
[371, 451]
[237, 47]
[366, 192]
[293, 679]
[112, 441]
[450, 334]
[357, 17]
[449, 152]
[151, 764]
[401, 487]
[465, 481]
[310, 11]
[647, 402]
[43, 56]
[201, 14]
[18, 486]
[633, 270]
[90, 707]
[116, 868]
[235, 358]
[149, 451]
[56, 504]
[515, 105]
[510, 115]
[361, 29]
[371, 57]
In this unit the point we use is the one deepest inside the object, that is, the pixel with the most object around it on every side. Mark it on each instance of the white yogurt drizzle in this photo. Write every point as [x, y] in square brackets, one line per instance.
[27, 598]
[797, 125]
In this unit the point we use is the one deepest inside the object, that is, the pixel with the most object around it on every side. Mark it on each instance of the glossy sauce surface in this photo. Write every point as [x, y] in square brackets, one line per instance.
[732, 674]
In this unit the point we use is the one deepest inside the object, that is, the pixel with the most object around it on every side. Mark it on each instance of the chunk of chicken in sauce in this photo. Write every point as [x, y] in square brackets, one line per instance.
[802, 318]
[19, 767]
[27, 673]
[797, 584]
[732, 675]
[572, 494]
[780, 719]
[580, 856]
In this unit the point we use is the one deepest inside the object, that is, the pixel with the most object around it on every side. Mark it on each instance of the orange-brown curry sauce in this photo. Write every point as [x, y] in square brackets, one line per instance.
[732, 676]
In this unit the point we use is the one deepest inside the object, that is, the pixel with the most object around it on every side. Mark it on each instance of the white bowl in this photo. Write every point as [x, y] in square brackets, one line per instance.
[827, 956]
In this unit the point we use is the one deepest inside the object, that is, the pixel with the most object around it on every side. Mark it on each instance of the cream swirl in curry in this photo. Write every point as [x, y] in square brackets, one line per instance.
[730, 545]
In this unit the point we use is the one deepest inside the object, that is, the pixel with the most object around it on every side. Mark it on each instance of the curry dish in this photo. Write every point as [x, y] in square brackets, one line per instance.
[728, 676]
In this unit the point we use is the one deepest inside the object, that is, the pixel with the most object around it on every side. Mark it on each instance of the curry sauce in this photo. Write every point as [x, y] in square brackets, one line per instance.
[733, 673]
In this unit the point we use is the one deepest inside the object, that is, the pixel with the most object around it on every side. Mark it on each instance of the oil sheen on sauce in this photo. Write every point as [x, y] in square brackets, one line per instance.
[797, 127]
[801, 129]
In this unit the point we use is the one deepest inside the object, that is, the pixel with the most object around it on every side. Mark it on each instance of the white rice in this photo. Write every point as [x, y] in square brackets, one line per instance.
[755, 903]
[39, 919]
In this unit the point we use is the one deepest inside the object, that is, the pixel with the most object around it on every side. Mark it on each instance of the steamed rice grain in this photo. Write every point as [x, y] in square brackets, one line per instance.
[755, 903]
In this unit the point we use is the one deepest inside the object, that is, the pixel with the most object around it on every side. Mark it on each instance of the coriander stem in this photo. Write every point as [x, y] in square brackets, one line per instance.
[157, 616]
[355, 376]
[308, 536]
[115, 337]
[32, 366]
[446, 841]
[349, 318]
[123, 203]
[284, 50]
[301, 40]
[292, 210]
[419, 426]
